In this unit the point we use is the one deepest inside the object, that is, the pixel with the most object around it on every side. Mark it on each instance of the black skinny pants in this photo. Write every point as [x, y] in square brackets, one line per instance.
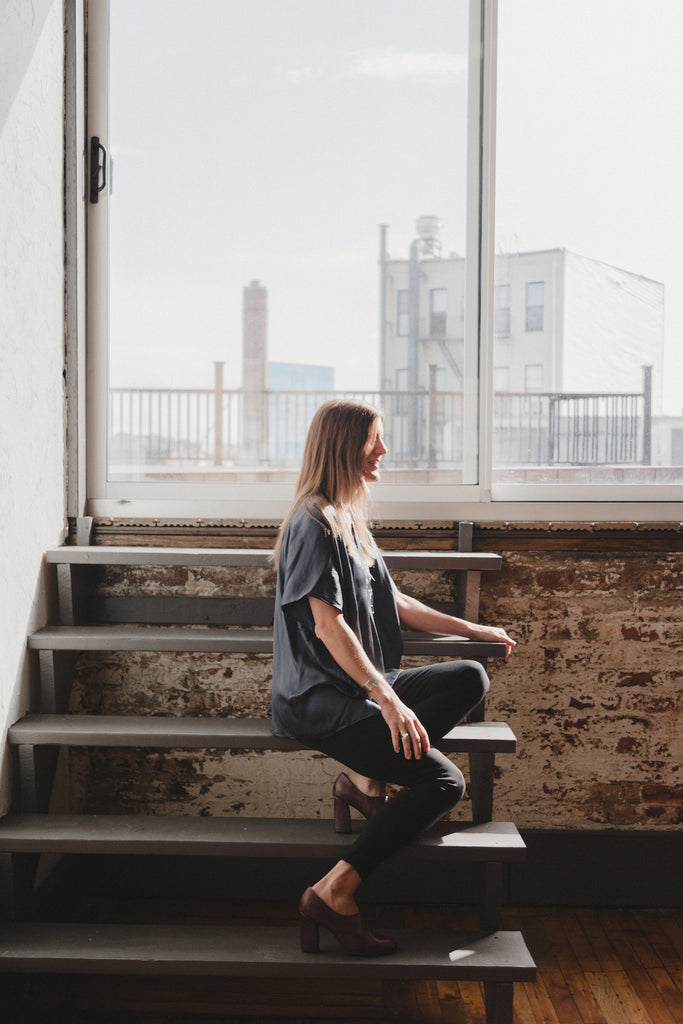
[441, 696]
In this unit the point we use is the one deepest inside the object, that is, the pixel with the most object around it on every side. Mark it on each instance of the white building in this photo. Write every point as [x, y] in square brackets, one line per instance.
[563, 323]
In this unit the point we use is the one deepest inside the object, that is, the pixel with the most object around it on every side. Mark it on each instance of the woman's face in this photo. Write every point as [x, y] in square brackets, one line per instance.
[372, 453]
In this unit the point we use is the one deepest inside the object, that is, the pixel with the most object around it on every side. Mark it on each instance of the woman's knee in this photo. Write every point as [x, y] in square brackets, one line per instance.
[475, 678]
[452, 783]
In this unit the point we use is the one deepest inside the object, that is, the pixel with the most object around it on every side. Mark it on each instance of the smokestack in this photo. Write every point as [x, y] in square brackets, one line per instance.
[254, 372]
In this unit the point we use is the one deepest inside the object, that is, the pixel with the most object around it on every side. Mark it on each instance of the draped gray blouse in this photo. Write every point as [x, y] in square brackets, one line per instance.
[312, 696]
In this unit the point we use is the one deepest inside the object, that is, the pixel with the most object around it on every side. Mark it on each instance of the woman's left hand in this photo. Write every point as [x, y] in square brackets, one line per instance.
[492, 634]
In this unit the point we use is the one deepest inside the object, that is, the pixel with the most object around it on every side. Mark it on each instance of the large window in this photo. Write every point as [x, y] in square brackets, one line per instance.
[285, 195]
[262, 154]
[587, 236]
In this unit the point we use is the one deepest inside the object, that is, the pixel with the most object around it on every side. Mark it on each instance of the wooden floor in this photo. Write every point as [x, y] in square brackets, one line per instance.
[595, 967]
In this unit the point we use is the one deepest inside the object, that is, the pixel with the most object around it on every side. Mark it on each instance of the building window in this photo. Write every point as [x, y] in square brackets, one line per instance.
[402, 313]
[535, 299]
[438, 311]
[501, 378]
[502, 311]
[533, 377]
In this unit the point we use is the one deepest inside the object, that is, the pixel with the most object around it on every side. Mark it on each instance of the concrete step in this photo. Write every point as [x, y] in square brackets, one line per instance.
[218, 733]
[256, 558]
[264, 951]
[241, 837]
[226, 641]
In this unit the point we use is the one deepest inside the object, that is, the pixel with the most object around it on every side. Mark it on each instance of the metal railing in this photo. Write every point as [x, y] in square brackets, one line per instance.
[221, 428]
[569, 429]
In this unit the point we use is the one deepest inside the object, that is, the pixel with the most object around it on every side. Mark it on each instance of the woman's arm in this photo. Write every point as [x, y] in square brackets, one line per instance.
[343, 644]
[416, 615]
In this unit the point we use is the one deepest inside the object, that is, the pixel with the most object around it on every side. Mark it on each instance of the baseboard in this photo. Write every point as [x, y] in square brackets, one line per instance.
[599, 868]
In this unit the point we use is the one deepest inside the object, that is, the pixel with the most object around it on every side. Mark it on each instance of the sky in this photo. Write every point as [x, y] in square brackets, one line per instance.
[268, 140]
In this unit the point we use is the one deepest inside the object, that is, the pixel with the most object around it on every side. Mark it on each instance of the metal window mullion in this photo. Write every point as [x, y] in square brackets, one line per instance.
[97, 233]
[480, 266]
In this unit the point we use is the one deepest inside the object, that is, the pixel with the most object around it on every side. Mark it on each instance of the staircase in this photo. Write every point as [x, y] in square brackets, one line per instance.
[231, 625]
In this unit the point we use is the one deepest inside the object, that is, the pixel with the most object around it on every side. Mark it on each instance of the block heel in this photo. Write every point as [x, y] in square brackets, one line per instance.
[346, 795]
[348, 930]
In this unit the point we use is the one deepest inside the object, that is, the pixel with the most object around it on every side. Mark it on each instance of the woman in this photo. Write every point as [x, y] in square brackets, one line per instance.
[337, 685]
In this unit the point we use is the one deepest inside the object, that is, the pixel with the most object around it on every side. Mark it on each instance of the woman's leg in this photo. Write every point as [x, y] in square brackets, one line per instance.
[431, 786]
[442, 695]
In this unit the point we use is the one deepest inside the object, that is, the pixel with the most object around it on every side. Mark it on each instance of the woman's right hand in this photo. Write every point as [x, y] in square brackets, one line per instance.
[407, 731]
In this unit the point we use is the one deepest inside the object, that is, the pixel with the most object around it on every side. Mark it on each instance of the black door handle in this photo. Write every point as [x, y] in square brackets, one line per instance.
[98, 163]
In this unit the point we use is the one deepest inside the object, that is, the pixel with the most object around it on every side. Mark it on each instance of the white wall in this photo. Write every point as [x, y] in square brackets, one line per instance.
[614, 324]
[32, 509]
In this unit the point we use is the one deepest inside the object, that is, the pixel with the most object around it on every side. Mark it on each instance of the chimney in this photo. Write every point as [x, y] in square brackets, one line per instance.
[254, 372]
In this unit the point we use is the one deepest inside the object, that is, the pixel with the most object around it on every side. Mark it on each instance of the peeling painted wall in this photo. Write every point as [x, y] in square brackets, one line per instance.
[593, 693]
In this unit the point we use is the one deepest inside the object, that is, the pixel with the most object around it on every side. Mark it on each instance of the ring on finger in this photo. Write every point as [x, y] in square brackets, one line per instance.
[405, 735]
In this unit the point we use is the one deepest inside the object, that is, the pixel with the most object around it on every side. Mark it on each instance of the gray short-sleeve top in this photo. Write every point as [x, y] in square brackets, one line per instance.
[312, 696]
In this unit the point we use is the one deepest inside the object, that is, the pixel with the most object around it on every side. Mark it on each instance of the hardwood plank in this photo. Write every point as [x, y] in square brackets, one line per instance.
[677, 975]
[639, 941]
[541, 1004]
[427, 1003]
[599, 941]
[618, 1001]
[578, 941]
[561, 997]
[670, 989]
[400, 1000]
[650, 997]
[452, 1006]
[563, 952]
[522, 1012]
[586, 1003]
[671, 923]
[612, 923]
[472, 996]
[662, 947]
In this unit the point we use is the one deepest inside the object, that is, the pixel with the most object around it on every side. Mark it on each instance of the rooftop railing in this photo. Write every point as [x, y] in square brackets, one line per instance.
[158, 427]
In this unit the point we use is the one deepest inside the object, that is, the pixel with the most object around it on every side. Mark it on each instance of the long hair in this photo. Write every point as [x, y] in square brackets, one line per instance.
[331, 477]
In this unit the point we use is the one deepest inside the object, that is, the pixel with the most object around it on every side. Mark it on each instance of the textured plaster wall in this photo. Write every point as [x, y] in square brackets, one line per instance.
[31, 332]
[593, 693]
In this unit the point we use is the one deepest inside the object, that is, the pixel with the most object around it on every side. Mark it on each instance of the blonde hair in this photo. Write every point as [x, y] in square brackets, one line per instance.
[331, 476]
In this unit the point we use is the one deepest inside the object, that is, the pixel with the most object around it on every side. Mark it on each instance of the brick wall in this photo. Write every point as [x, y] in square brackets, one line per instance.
[593, 690]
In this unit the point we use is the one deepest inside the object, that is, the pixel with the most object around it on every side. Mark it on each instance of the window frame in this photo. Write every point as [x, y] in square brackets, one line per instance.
[503, 322]
[438, 318]
[485, 501]
[402, 313]
[531, 319]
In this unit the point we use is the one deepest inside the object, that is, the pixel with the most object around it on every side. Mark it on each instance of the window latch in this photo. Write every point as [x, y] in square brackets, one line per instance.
[98, 168]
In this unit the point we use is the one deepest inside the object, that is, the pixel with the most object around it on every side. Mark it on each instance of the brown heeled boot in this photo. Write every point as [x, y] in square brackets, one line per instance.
[347, 795]
[348, 929]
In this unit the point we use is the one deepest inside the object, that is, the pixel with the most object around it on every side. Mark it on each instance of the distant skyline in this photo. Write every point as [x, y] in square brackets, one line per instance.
[269, 140]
